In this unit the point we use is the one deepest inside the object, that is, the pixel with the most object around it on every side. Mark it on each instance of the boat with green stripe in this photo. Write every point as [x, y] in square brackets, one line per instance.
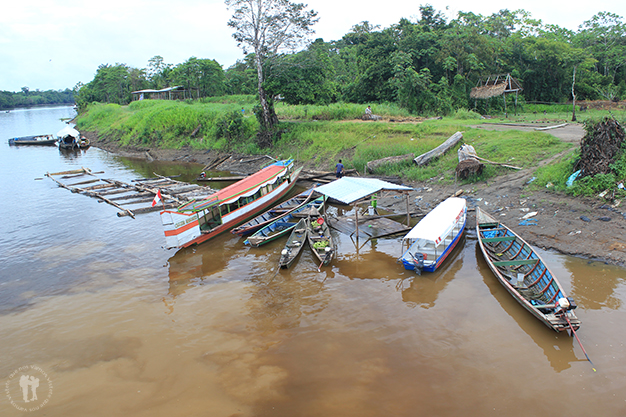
[523, 273]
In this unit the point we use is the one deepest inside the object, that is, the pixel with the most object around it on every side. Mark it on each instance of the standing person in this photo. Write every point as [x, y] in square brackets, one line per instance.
[339, 170]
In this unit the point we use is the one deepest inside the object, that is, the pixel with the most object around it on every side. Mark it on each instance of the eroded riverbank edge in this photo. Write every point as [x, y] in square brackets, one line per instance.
[582, 227]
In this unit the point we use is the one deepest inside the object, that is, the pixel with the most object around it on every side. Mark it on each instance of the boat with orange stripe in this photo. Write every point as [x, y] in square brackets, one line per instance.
[200, 220]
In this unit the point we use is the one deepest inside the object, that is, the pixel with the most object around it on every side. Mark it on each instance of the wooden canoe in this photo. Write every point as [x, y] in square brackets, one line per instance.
[294, 245]
[284, 224]
[320, 240]
[520, 269]
[274, 213]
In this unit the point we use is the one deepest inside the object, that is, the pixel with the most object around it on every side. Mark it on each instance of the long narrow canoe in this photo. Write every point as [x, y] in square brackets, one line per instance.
[45, 140]
[200, 220]
[520, 269]
[294, 245]
[284, 224]
[320, 239]
[274, 213]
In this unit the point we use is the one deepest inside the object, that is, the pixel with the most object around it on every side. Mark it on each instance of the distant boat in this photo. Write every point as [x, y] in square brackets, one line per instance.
[435, 236]
[520, 269]
[285, 223]
[69, 138]
[294, 245]
[45, 140]
[272, 214]
[201, 220]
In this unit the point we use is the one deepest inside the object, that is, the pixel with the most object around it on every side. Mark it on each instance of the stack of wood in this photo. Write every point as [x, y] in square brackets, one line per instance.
[600, 147]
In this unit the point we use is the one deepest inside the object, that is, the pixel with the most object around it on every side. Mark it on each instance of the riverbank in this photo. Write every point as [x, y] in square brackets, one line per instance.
[584, 227]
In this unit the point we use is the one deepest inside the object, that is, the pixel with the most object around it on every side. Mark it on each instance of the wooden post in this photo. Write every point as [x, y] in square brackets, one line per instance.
[408, 214]
[356, 212]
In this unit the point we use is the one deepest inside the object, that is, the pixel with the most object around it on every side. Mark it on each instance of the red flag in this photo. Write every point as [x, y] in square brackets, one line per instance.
[157, 198]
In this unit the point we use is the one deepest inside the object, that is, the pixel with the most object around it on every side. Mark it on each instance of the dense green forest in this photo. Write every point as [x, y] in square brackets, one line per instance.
[27, 98]
[427, 66]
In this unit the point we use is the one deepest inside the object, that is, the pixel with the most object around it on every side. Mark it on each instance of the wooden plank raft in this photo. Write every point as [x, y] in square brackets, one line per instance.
[121, 194]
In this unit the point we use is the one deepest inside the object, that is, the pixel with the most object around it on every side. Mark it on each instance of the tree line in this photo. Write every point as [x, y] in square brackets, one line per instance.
[428, 65]
[27, 98]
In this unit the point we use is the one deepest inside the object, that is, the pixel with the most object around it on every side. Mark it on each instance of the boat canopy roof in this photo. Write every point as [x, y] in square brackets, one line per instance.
[244, 188]
[351, 189]
[68, 131]
[438, 223]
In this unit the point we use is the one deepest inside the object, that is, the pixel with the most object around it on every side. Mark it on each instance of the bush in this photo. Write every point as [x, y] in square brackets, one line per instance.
[464, 114]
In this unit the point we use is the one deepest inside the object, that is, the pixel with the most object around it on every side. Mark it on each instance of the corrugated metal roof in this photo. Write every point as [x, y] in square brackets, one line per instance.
[351, 189]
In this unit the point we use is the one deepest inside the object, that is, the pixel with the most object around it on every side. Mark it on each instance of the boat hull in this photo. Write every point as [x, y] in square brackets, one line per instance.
[279, 211]
[284, 224]
[320, 240]
[182, 229]
[446, 223]
[522, 272]
[41, 140]
[433, 267]
[293, 247]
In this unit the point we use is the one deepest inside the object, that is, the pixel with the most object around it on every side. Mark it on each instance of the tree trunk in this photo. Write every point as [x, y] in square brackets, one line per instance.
[574, 96]
[425, 158]
[266, 119]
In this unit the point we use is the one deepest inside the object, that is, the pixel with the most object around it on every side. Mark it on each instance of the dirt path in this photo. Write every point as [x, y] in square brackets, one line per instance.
[585, 227]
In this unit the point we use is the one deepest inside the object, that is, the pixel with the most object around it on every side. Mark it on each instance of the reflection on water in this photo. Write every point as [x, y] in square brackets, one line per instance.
[594, 284]
[125, 327]
[558, 348]
[424, 290]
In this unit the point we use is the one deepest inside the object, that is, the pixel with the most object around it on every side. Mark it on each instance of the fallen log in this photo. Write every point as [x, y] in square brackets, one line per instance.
[372, 165]
[425, 158]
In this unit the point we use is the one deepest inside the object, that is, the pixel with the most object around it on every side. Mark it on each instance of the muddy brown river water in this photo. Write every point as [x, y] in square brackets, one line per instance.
[110, 323]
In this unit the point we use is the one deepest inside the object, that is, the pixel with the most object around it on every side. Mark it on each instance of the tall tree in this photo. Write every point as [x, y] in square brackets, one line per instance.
[265, 27]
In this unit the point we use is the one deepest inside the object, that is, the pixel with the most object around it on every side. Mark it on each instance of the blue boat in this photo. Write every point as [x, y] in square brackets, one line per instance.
[435, 236]
[274, 213]
[286, 223]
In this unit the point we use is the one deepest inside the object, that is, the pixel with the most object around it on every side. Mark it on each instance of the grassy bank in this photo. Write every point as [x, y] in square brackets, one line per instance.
[319, 135]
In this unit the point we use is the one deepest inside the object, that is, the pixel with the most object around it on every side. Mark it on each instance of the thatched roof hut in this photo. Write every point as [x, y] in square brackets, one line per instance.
[495, 85]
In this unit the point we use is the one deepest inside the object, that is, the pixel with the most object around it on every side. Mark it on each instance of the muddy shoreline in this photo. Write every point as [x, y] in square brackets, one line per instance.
[583, 227]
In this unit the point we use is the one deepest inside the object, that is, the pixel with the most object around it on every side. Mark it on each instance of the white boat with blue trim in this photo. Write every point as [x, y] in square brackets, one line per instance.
[435, 236]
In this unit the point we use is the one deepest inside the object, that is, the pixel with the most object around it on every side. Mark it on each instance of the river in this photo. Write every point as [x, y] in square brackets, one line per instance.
[111, 323]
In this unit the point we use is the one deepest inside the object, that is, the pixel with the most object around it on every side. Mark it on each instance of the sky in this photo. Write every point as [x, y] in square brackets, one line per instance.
[54, 44]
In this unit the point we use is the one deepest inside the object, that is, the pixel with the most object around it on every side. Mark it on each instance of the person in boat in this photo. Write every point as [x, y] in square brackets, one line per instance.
[340, 171]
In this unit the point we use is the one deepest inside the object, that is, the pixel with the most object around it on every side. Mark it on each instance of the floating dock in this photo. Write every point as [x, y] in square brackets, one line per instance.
[130, 199]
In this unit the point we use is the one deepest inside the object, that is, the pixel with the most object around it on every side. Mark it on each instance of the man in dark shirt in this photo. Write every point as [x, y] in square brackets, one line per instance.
[339, 169]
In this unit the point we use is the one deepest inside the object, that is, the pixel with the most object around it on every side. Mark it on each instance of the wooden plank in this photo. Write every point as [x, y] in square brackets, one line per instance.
[515, 263]
[84, 182]
[74, 171]
[498, 239]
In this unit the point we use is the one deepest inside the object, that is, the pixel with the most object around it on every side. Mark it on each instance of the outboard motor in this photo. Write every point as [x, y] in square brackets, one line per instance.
[572, 303]
[418, 261]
